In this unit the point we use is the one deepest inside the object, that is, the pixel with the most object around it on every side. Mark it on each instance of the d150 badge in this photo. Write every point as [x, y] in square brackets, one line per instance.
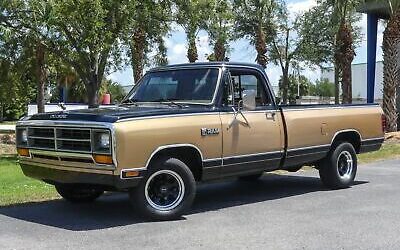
[209, 131]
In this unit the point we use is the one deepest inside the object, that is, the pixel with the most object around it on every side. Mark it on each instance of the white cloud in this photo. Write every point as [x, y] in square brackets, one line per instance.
[203, 46]
[301, 6]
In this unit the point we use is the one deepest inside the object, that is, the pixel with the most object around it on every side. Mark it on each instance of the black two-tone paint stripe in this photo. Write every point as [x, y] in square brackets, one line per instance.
[308, 150]
[242, 159]
[252, 158]
[369, 145]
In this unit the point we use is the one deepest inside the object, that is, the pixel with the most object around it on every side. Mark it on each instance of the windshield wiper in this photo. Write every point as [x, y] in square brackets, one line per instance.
[169, 101]
[129, 102]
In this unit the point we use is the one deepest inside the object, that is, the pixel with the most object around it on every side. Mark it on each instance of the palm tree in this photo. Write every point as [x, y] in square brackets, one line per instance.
[253, 20]
[152, 19]
[191, 15]
[344, 44]
[391, 77]
[220, 28]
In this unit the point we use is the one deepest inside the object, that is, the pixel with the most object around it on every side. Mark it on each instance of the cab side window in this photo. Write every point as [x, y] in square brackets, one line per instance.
[246, 80]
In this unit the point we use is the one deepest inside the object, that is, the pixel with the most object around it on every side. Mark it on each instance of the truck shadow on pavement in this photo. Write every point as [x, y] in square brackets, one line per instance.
[114, 210]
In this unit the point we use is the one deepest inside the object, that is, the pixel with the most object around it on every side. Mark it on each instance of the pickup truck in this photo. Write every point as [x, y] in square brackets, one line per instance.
[190, 123]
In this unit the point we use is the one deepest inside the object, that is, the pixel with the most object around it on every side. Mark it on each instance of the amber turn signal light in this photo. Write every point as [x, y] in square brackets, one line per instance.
[23, 152]
[103, 159]
[130, 173]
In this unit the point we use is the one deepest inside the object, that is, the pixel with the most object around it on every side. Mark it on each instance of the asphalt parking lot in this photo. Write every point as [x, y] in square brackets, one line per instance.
[291, 211]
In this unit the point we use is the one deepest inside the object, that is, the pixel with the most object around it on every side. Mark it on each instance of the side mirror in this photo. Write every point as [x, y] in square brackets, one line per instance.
[249, 99]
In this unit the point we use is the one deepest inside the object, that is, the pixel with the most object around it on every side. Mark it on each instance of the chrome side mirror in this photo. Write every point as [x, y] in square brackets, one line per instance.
[249, 99]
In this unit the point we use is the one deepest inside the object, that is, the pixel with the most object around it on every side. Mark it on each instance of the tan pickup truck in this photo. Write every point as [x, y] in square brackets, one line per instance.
[191, 123]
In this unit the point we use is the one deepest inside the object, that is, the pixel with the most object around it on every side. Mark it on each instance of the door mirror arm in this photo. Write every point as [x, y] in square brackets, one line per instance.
[237, 112]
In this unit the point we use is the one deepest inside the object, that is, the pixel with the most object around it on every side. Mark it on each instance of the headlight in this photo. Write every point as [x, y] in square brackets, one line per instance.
[104, 140]
[24, 136]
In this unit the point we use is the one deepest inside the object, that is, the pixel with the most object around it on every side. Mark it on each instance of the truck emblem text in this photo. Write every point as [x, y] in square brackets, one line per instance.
[209, 131]
[58, 116]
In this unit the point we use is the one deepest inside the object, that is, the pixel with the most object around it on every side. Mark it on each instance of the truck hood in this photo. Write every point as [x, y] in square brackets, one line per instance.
[113, 114]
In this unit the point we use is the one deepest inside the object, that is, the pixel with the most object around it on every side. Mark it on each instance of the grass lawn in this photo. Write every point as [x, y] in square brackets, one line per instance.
[388, 151]
[16, 188]
[8, 123]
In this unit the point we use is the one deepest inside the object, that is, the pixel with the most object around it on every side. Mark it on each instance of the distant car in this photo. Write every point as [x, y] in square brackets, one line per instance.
[191, 123]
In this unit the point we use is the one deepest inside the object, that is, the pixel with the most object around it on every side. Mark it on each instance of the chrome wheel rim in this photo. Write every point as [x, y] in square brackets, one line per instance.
[345, 165]
[164, 190]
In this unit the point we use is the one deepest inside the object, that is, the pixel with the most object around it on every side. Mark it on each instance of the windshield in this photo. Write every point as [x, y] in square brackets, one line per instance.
[183, 85]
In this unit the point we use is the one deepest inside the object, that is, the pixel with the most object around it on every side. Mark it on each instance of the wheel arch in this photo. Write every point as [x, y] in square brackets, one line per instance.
[190, 154]
[351, 136]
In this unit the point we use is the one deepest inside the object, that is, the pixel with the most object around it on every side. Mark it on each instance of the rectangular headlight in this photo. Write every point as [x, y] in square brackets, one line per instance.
[102, 141]
[22, 137]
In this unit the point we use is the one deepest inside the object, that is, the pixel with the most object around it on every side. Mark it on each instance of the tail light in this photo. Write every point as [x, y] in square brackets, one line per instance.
[383, 119]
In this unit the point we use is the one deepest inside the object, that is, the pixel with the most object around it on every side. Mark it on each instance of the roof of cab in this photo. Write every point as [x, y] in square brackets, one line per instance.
[207, 64]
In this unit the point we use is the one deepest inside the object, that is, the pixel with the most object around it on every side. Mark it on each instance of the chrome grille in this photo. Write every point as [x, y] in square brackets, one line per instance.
[67, 139]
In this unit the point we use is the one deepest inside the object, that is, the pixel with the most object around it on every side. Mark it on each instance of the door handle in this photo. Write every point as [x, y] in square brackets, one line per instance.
[270, 115]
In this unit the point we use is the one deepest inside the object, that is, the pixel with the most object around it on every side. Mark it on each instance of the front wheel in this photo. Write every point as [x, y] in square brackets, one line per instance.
[77, 193]
[166, 192]
[339, 168]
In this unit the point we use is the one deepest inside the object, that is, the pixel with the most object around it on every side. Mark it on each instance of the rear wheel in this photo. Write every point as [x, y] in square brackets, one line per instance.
[77, 193]
[339, 168]
[166, 192]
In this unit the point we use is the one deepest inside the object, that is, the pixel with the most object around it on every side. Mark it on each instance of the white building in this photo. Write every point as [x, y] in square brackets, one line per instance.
[359, 75]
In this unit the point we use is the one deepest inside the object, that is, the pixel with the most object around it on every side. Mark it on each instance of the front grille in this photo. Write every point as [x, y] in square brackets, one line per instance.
[67, 139]
[83, 146]
[41, 142]
[77, 134]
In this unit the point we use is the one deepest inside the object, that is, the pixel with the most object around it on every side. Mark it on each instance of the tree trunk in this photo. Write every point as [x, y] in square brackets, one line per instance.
[344, 55]
[219, 50]
[285, 86]
[337, 84]
[391, 41]
[92, 88]
[192, 48]
[346, 84]
[40, 76]
[261, 48]
[138, 53]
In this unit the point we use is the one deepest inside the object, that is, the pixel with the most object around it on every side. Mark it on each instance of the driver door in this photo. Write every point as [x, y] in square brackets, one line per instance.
[252, 139]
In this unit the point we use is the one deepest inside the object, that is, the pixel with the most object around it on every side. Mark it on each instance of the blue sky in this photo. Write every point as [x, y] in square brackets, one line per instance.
[242, 51]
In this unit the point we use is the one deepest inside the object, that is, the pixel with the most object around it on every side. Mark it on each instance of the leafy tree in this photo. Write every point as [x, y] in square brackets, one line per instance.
[285, 48]
[161, 59]
[220, 28]
[114, 89]
[254, 21]
[327, 37]
[151, 23]
[324, 88]
[83, 34]
[8, 18]
[17, 80]
[391, 66]
[299, 86]
[192, 15]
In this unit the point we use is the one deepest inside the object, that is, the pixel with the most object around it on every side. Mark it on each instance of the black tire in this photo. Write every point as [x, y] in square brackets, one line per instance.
[166, 192]
[78, 193]
[339, 168]
[252, 177]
